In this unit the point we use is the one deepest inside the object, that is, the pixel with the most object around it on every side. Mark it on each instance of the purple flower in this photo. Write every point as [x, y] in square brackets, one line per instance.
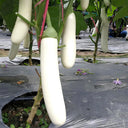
[81, 72]
[78, 70]
[84, 73]
[117, 82]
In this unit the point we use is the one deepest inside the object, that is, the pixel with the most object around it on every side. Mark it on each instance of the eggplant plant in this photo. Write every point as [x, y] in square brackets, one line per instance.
[36, 15]
[103, 9]
[48, 42]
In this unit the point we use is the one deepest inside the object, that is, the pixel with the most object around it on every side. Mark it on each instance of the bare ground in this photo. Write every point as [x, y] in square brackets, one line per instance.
[82, 54]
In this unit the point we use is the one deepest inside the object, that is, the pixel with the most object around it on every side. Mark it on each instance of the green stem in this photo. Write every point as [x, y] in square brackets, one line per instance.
[48, 20]
[30, 49]
[98, 34]
[38, 22]
[25, 20]
[92, 39]
[35, 106]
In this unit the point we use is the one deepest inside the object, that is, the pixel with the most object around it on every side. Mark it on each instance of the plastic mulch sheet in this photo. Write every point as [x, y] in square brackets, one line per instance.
[92, 100]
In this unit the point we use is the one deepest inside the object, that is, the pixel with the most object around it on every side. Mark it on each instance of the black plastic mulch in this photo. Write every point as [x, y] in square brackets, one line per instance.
[92, 100]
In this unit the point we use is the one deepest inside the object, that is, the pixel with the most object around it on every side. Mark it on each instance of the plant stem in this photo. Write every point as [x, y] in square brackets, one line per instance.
[30, 49]
[98, 34]
[38, 22]
[43, 23]
[96, 43]
[25, 20]
[36, 104]
[48, 20]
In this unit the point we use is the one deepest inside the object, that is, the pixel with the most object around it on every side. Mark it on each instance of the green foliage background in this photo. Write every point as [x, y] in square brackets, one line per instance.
[9, 7]
[7, 11]
[122, 6]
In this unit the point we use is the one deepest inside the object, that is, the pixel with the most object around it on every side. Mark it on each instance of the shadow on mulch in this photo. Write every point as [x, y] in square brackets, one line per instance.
[34, 62]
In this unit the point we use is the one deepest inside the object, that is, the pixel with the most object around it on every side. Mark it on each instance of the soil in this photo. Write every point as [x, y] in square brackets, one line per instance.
[83, 54]
[16, 112]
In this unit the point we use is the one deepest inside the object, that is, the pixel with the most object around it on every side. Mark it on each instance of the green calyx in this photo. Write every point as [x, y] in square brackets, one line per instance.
[50, 31]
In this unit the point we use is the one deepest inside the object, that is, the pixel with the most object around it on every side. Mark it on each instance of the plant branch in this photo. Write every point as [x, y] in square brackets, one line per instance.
[98, 34]
[25, 20]
[92, 39]
[43, 23]
[30, 48]
[37, 72]
[37, 100]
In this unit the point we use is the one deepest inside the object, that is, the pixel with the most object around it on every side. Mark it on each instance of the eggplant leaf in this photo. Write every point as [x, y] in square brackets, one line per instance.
[120, 3]
[80, 22]
[121, 13]
[7, 10]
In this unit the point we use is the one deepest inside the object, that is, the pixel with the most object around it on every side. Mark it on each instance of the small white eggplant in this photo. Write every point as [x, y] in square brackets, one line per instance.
[68, 52]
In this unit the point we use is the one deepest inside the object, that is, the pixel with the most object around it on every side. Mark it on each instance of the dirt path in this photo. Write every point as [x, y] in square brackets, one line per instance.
[83, 54]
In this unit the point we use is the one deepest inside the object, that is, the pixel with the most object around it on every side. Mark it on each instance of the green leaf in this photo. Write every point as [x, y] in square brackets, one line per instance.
[27, 126]
[121, 13]
[89, 15]
[111, 10]
[43, 106]
[120, 3]
[7, 10]
[44, 126]
[28, 108]
[39, 112]
[79, 7]
[12, 126]
[80, 22]
[54, 13]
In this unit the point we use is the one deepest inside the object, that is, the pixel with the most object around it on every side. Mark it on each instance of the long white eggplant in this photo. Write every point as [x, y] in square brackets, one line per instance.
[21, 28]
[13, 51]
[51, 85]
[68, 53]
[27, 41]
[104, 30]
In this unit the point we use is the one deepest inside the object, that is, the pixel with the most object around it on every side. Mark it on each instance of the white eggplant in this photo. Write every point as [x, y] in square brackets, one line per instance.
[27, 41]
[68, 53]
[127, 32]
[51, 85]
[84, 4]
[13, 51]
[103, 16]
[107, 2]
[95, 29]
[21, 28]
[104, 30]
